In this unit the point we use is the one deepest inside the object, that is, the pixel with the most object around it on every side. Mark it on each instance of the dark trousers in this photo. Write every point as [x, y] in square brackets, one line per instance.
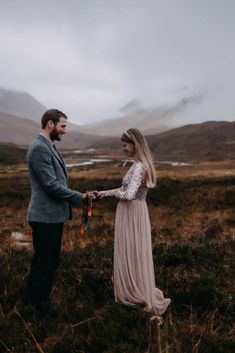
[47, 244]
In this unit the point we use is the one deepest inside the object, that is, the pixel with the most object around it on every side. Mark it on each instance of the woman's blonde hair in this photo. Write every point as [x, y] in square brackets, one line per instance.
[142, 153]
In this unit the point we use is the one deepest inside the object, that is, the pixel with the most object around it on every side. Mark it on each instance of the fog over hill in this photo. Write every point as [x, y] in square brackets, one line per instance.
[22, 131]
[209, 141]
[149, 120]
[214, 140]
[17, 130]
[20, 104]
[23, 105]
[20, 121]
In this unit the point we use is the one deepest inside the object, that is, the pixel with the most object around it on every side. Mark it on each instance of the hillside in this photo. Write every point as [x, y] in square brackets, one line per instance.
[22, 131]
[193, 227]
[149, 120]
[17, 131]
[209, 141]
[25, 106]
[20, 104]
[20, 116]
[11, 154]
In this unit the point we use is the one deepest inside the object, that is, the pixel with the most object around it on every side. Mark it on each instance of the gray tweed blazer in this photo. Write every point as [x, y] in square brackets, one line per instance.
[51, 198]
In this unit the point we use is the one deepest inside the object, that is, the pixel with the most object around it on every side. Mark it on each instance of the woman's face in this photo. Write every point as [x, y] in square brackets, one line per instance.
[128, 149]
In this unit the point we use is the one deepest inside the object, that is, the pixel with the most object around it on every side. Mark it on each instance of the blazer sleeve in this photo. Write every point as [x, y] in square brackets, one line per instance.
[40, 162]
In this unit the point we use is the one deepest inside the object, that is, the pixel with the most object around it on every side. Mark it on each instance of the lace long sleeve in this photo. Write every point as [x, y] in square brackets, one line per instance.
[132, 183]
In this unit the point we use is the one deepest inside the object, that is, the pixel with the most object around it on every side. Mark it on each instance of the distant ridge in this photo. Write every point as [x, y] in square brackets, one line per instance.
[23, 105]
[18, 131]
[20, 104]
[22, 131]
[20, 121]
[195, 143]
[149, 120]
[209, 141]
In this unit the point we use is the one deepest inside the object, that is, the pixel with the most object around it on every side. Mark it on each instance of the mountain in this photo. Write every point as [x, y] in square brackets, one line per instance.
[20, 116]
[149, 121]
[18, 131]
[22, 131]
[20, 104]
[20, 121]
[209, 141]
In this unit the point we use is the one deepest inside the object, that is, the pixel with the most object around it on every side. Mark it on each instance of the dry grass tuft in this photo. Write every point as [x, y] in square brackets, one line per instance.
[193, 229]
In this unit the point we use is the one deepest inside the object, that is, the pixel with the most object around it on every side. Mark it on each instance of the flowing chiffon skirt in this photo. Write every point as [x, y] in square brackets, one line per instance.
[134, 279]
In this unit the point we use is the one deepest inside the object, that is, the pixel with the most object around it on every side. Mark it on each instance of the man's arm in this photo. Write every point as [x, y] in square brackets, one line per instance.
[40, 161]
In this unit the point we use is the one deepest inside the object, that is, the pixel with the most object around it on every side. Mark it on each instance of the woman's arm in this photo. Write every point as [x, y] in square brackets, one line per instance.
[136, 178]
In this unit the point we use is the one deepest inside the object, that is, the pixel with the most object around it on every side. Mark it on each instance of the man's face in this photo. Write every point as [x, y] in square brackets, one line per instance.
[57, 130]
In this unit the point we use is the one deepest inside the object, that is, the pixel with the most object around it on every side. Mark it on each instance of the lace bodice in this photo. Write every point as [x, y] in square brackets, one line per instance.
[133, 185]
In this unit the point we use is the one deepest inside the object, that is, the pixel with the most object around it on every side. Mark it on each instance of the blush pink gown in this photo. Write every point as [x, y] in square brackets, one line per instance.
[134, 279]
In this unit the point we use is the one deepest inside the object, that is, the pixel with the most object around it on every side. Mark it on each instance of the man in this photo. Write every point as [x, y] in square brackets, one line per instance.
[49, 207]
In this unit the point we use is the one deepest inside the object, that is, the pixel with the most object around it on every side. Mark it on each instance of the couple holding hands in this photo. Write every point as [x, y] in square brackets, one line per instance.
[50, 207]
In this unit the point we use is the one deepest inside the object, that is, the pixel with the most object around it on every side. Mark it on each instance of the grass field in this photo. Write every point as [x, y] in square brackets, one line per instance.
[192, 214]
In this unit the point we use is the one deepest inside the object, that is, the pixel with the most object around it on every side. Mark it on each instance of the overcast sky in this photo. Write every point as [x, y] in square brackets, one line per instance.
[91, 57]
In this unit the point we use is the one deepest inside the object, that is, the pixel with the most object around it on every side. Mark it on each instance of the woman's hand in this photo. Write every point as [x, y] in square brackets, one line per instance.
[84, 196]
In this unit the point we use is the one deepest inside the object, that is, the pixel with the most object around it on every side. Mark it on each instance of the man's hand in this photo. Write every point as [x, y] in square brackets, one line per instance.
[84, 196]
[95, 195]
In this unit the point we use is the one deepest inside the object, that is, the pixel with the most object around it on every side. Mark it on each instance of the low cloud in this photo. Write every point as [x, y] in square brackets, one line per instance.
[92, 58]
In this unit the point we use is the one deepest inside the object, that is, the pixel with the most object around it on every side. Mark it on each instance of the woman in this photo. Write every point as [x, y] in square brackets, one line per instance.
[134, 280]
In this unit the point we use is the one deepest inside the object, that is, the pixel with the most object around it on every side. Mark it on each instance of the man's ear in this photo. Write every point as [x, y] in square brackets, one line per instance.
[50, 124]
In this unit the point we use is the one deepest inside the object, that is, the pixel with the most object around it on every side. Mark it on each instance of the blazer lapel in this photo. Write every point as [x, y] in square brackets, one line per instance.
[59, 158]
[55, 153]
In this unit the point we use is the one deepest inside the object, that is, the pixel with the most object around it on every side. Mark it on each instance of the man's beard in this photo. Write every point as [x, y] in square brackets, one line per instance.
[54, 135]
